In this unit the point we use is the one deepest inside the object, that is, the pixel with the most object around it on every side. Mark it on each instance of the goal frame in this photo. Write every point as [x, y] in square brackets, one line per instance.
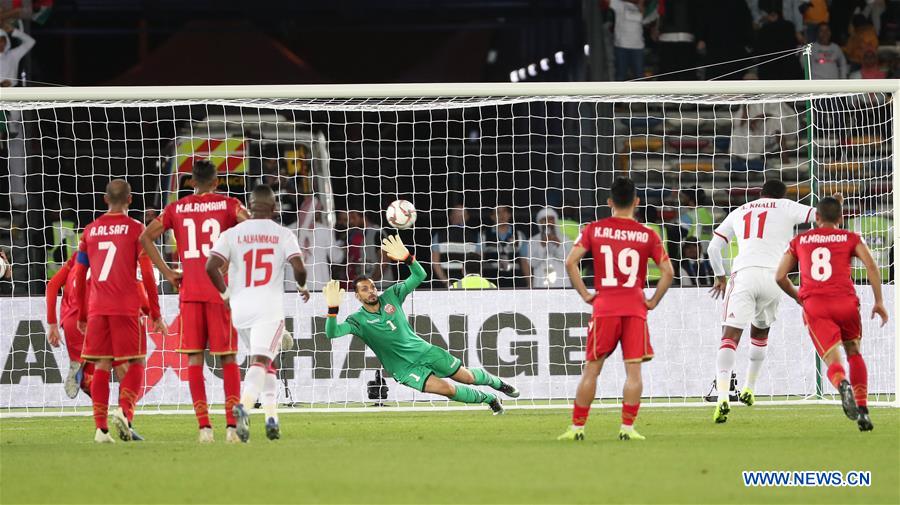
[686, 90]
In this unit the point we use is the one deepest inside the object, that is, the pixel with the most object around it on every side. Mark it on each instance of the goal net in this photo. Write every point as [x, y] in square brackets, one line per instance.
[502, 176]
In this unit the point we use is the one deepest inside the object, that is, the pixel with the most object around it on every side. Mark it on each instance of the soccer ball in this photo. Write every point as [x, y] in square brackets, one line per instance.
[401, 214]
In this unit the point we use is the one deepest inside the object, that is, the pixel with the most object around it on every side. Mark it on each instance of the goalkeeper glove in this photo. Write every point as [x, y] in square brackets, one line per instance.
[395, 249]
[334, 295]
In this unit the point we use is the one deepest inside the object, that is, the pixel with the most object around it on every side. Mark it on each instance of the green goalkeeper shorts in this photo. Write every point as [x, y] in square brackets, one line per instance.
[435, 361]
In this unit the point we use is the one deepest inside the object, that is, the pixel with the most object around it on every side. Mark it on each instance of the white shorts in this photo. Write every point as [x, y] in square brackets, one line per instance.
[263, 339]
[752, 297]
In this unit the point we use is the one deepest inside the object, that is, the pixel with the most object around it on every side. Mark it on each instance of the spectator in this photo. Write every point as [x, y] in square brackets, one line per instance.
[815, 12]
[863, 39]
[11, 56]
[789, 10]
[871, 68]
[827, 58]
[473, 278]
[695, 217]
[874, 9]
[628, 35]
[450, 245]
[502, 243]
[9, 76]
[840, 15]
[761, 128]
[727, 35]
[320, 250]
[678, 21]
[363, 248]
[339, 266]
[695, 271]
[777, 35]
[547, 253]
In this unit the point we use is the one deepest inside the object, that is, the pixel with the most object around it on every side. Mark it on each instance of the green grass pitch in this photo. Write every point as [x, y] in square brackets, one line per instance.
[454, 457]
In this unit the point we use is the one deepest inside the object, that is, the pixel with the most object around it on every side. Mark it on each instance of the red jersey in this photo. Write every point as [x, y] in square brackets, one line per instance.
[197, 221]
[66, 280]
[824, 255]
[621, 248]
[110, 248]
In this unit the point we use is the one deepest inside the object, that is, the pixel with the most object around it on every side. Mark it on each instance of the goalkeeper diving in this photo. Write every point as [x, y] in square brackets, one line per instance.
[383, 326]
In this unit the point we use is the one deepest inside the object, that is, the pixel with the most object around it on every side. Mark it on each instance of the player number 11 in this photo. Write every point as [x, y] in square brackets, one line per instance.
[761, 220]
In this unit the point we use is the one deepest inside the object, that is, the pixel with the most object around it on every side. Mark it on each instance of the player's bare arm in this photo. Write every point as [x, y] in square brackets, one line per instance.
[148, 240]
[573, 268]
[300, 276]
[786, 266]
[714, 250]
[214, 266]
[147, 278]
[667, 275]
[874, 275]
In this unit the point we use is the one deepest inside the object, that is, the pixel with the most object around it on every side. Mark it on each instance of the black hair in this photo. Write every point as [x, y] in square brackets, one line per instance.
[773, 188]
[204, 171]
[829, 209]
[622, 192]
[472, 264]
[359, 279]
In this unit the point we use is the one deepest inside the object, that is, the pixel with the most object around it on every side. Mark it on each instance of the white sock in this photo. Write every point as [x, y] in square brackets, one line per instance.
[627, 427]
[253, 385]
[757, 357]
[269, 396]
[724, 365]
[577, 427]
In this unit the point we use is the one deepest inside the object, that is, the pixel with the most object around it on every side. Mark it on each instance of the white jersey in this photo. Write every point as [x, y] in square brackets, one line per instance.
[763, 229]
[257, 251]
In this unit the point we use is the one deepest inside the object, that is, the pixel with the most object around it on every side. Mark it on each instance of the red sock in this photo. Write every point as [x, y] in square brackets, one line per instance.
[231, 380]
[859, 378]
[580, 414]
[87, 377]
[100, 397]
[198, 395]
[130, 388]
[629, 413]
[836, 373]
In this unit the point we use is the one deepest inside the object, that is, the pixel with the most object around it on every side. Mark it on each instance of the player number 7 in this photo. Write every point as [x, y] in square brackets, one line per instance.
[110, 249]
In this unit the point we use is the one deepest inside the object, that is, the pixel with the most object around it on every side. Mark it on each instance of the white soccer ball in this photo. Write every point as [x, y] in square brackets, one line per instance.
[4, 266]
[401, 214]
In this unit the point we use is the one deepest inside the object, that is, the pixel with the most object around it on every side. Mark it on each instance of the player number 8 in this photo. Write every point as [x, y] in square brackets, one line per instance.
[821, 264]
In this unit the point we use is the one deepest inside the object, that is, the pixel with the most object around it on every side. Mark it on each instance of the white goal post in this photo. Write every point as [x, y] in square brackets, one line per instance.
[464, 152]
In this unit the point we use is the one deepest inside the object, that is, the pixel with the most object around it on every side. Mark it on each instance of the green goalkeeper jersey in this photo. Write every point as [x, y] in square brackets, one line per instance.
[387, 332]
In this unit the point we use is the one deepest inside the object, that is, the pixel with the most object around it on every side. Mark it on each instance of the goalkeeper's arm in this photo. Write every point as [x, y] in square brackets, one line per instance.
[334, 295]
[396, 251]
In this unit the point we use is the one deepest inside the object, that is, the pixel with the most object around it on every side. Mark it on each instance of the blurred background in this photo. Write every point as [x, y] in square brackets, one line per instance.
[502, 186]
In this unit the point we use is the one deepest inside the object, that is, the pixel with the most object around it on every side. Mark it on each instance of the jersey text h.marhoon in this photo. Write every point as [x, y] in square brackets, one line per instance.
[822, 239]
[201, 206]
[257, 239]
[615, 234]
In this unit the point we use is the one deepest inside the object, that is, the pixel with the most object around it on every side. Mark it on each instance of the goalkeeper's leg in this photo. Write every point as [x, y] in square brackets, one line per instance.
[480, 377]
[461, 393]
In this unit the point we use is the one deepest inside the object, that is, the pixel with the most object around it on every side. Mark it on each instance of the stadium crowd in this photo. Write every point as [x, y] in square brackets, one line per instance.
[733, 38]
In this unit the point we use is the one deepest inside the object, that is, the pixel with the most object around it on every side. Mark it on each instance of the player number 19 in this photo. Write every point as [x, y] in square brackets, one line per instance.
[821, 264]
[627, 262]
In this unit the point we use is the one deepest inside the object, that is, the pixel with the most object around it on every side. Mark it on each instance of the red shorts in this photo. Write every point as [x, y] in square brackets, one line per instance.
[74, 338]
[114, 337]
[605, 332]
[207, 325]
[832, 321]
